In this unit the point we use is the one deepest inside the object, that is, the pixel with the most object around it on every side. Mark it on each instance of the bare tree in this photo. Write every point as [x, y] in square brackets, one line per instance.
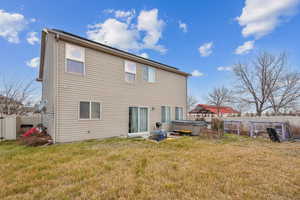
[238, 104]
[191, 102]
[257, 80]
[219, 97]
[287, 92]
[15, 96]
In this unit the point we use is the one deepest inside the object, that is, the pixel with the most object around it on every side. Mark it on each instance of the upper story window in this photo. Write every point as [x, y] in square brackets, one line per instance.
[130, 71]
[75, 59]
[178, 113]
[165, 114]
[149, 74]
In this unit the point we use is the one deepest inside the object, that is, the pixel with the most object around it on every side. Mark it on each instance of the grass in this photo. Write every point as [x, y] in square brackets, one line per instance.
[186, 168]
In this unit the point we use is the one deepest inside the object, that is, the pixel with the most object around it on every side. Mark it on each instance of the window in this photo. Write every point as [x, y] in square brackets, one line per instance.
[130, 71]
[89, 110]
[178, 113]
[75, 59]
[84, 110]
[138, 119]
[95, 110]
[149, 74]
[165, 114]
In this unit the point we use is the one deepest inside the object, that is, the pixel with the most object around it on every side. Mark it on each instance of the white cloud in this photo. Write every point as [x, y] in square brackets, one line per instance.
[144, 55]
[32, 38]
[109, 11]
[11, 24]
[261, 17]
[197, 73]
[245, 48]
[115, 33]
[148, 21]
[34, 62]
[122, 14]
[127, 35]
[183, 26]
[224, 68]
[127, 15]
[206, 49]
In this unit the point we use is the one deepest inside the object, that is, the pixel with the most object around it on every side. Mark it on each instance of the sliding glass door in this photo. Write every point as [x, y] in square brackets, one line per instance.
[143, 120]
[133, 120]
[138, 120]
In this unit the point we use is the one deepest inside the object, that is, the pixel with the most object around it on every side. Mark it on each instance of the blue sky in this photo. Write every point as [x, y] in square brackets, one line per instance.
[201, 37]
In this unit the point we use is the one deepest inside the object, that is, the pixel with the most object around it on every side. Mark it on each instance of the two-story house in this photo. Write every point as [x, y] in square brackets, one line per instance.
[95, 91]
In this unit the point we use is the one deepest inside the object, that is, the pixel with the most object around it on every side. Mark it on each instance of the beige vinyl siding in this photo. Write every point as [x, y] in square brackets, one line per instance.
[48, 86]
[104, 82]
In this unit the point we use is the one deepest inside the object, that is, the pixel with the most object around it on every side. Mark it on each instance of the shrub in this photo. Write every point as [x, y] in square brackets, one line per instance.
[295, 130]
[217, 124]
[36, 139]
[210, 134]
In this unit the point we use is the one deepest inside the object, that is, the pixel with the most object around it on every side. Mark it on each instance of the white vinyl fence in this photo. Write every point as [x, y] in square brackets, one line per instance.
[292, 120]
[8, 128]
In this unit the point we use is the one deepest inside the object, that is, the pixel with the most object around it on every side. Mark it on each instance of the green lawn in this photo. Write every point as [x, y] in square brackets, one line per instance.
[186, 168]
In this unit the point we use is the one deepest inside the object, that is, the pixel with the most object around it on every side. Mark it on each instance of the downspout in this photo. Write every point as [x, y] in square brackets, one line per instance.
[186, 97]
[55, 87]
[42, 112]
[1, 126]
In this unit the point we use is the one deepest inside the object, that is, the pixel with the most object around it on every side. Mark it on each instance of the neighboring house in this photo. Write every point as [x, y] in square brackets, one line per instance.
[10, 106]
[203, 110]
[95, 91]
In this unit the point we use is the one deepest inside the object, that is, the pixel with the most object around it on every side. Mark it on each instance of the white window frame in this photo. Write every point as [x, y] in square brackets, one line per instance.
[77, 60]
[154, 70]
[148, 117]
[125, 72]
[181, 112]
[145, 67]
[165, 113]
[90, 109]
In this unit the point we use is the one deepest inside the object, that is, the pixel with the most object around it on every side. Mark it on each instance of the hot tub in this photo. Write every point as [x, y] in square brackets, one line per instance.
[188, 125]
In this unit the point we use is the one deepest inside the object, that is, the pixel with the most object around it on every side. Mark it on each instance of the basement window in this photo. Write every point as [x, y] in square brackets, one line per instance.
[89, 110]
[75, 59]
[130, 71]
